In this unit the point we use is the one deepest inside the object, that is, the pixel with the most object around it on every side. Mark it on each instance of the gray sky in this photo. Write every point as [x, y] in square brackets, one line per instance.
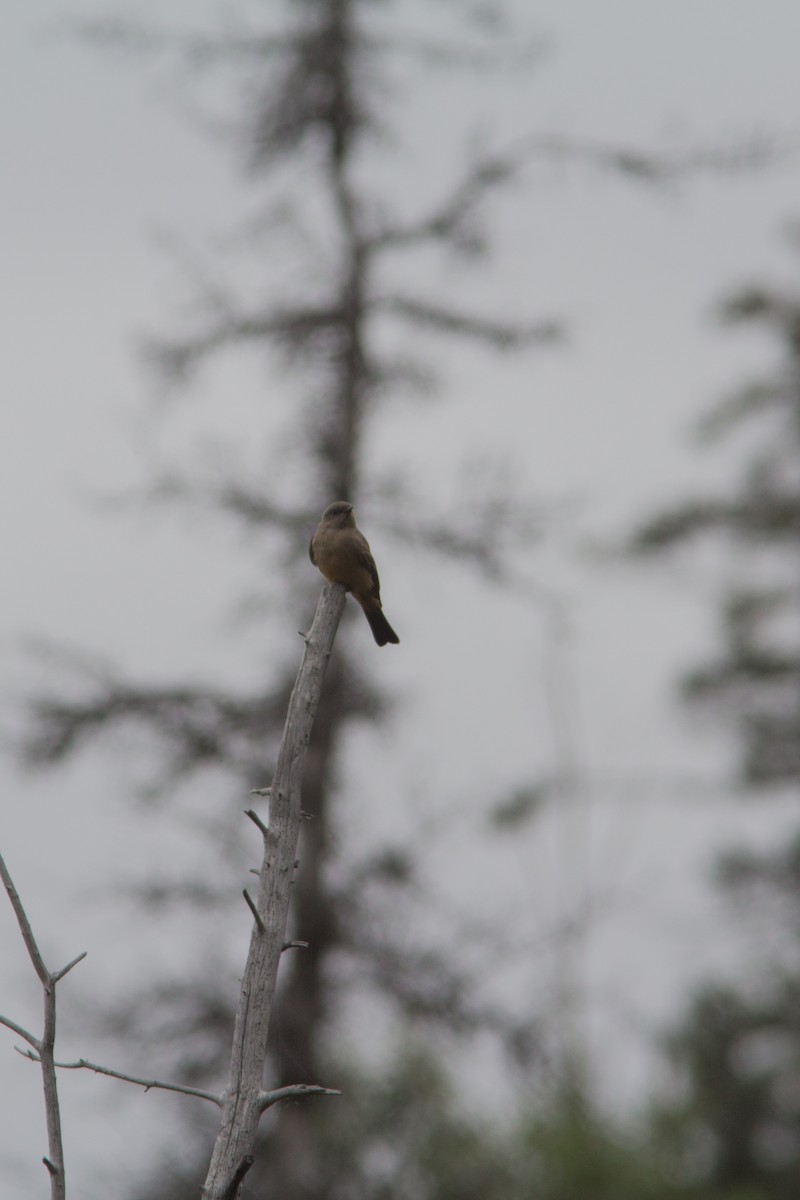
[95, 161]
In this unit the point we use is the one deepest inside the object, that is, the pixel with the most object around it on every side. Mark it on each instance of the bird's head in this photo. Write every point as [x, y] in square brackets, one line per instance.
[339, 514]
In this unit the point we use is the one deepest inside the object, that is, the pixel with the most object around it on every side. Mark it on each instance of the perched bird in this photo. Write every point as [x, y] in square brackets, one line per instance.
[342, 554]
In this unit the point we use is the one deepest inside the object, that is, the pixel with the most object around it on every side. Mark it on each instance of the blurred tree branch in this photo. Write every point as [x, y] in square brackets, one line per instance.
[756, 676]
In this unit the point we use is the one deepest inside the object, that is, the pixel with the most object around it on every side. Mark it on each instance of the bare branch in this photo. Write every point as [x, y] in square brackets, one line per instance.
[502, 335]
[45, 1047]
[256, 819]
[435, 52]
[648, 166]
[147, 1084]
[449, 220]
[195, 723]
[24, 925]
[199, 50]
[18, 1029]
[196, 50]
[257, 917]
[244, 1101]
[305, 329]
[292, 1092]
[294, 329]
[233, 494]
[78, 958]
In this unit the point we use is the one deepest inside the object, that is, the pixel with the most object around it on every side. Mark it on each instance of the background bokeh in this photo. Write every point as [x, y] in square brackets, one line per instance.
[118, 176]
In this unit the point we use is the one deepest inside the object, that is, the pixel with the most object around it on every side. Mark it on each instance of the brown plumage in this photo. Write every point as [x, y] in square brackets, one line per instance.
[342, 554]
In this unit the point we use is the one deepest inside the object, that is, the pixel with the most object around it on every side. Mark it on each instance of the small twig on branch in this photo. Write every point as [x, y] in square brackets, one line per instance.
[292, 1092]
[256, 819]
[44, 1046]
[78, 958]
[257, 917]
[295, 945]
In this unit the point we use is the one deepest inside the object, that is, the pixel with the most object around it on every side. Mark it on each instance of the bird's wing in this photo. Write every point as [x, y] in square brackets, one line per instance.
[365, 559]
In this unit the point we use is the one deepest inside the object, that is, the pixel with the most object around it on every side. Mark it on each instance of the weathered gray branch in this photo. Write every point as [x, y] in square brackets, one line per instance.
[243, 1100]
[44, 1046]
[18, 1029]
[147, 1084]
[292, 1092]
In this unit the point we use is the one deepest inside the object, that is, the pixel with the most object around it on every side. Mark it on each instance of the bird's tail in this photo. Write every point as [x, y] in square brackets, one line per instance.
[381, 629]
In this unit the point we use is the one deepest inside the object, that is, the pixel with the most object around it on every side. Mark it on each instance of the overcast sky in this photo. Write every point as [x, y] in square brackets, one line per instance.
[96, 160]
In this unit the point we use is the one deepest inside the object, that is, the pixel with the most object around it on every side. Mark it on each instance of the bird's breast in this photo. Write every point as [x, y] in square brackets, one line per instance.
[336, 553]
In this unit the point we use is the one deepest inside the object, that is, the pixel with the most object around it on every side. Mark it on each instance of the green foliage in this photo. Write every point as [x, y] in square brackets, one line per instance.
[736, 1129]
[573, 1151]
[410, 1135]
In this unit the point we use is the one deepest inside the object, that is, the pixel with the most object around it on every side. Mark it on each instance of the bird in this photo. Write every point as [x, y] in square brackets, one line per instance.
[341, 552]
